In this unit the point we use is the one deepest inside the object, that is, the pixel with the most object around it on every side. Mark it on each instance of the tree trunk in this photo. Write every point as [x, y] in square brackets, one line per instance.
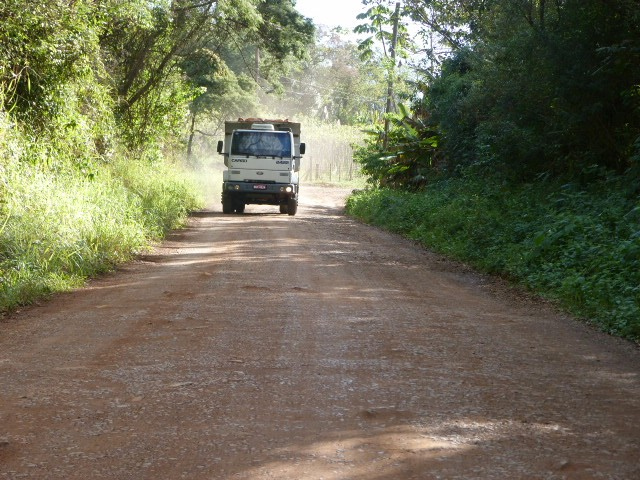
[192, 131]
[394, 42]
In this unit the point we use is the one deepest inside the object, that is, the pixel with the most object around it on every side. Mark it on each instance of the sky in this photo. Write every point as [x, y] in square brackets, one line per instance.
[332, 13]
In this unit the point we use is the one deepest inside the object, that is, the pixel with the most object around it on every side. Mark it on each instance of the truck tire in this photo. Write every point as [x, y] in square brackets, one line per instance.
[283, 209]
[227, 206]
[292, 206]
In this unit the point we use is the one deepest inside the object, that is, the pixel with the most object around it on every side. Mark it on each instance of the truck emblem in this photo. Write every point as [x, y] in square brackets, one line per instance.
[259, 173]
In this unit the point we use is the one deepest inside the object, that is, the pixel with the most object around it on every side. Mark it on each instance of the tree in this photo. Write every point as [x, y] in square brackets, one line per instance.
[385, 26]
[225, 78]
[133, 71]
[218, 91]
[284, 32]
[535, 87]
[159, 65]
[144, 54]
[51, 78]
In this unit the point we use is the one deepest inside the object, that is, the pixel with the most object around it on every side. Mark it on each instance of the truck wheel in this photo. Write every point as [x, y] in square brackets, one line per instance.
[227, 206]
[292, 206]
[283, 209]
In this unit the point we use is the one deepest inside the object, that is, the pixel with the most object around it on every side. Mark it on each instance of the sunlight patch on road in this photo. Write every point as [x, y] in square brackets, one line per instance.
[397, 451]
[357, 454]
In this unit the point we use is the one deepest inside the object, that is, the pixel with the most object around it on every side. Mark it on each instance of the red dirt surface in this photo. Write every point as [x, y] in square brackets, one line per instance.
[263, 346]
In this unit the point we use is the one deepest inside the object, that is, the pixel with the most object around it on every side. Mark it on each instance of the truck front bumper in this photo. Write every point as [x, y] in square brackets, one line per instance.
[265, 193]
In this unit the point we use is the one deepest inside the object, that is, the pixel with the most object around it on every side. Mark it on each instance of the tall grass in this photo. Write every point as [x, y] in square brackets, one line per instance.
[60, 225]
[576, 245]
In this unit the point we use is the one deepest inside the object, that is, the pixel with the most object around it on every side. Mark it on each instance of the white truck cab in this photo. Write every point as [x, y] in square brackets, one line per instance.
[263, 162]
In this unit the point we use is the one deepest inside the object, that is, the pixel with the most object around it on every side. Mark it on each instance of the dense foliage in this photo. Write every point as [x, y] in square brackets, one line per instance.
[521, 150]
[528, 88]
[60, 228]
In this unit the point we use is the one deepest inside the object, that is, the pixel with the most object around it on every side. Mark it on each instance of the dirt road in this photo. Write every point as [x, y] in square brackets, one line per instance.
[262, 346]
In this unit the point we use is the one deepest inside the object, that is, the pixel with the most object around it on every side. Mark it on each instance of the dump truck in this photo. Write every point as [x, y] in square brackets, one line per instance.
[262, 159]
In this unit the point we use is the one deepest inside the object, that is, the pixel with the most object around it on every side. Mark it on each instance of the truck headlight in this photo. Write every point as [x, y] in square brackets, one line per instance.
[288, 189]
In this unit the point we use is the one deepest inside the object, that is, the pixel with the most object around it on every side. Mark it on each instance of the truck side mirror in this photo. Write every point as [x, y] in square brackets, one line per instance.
[303, 148]
[220, 145]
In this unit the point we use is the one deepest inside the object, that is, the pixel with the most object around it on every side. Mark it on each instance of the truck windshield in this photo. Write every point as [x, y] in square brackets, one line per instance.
[267, 144]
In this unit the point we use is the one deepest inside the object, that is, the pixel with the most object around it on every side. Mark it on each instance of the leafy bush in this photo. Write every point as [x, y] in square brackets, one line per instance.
[406, 159]
[579, 246]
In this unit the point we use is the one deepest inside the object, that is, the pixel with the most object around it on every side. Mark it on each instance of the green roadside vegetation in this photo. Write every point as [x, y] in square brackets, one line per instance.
[520, 153]
[61, 226]
[578, 246]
